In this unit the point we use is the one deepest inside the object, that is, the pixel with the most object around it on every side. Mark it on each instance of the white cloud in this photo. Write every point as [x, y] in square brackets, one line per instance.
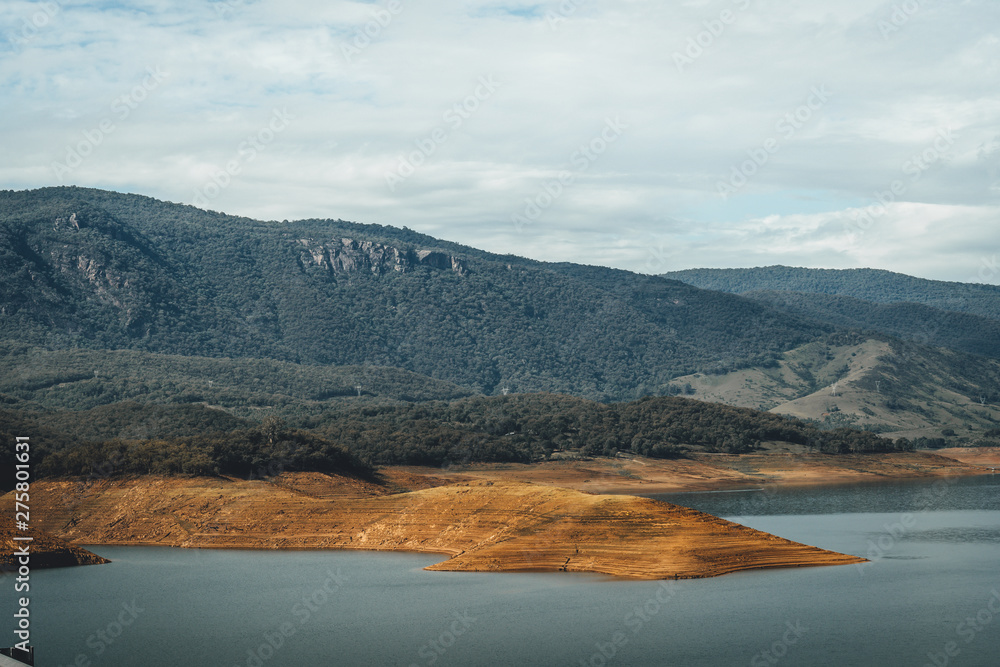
[362, 102]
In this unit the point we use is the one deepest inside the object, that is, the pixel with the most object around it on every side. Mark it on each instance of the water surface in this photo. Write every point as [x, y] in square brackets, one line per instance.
[935, 565]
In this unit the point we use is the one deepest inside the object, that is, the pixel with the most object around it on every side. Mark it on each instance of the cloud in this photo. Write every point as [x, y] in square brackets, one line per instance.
[702, 88]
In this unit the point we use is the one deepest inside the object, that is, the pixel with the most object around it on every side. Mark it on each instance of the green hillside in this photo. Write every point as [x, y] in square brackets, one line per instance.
[909, 321]
[130, 438]
[874, 285]
[79, 379]
[84, 268]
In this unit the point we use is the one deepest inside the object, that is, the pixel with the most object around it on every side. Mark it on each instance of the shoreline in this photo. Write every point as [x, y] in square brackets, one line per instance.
[513, 517]
[709, 472]
[481, 526]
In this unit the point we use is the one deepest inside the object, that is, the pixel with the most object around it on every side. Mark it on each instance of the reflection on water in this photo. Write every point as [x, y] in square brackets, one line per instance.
[956, 535]
[951, 493]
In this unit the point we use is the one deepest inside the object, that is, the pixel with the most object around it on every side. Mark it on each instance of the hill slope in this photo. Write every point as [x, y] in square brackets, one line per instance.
[874, 285]
[910, 321]
[878, 383]
[87, 268]
[79, 379]
[482, 526]
[960, 316]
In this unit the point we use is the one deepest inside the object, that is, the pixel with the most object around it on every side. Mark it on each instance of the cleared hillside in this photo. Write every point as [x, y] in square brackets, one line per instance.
[881, 384]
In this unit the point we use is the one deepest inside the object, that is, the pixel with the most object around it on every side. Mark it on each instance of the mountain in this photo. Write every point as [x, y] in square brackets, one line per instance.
[876, 383]
[126, 317]
[82, 268]
[959, 316]
[873, 285]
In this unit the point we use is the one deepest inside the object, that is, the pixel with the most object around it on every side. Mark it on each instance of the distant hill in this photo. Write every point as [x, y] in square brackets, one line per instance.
[910, 321]
[876, 383]
[959, 316]
[82, 268]
[874, 285]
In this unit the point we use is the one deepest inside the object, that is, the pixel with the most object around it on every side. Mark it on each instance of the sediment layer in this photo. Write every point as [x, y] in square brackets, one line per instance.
[44, 550]
[480, 525]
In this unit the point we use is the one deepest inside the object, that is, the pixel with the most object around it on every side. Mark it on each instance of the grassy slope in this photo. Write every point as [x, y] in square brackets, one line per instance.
[873, 383]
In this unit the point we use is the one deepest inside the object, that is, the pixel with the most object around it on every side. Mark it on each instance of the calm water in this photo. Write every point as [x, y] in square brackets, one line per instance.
[937, 566]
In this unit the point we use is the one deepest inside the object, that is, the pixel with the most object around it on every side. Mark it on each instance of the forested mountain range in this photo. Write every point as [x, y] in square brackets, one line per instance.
[162, 334]
[82, 268]
[960, 316]
[874, 285]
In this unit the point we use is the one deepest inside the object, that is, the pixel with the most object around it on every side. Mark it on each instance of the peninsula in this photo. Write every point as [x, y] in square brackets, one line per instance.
[483, 525]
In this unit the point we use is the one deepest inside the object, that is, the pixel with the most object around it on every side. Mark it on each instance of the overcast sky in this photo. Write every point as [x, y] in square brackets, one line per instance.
[650, 136]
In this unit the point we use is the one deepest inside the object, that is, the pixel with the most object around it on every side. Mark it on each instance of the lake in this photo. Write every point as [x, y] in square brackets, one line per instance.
[930, 596]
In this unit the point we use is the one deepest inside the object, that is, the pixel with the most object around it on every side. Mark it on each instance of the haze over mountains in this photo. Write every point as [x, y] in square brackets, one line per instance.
[114, 297]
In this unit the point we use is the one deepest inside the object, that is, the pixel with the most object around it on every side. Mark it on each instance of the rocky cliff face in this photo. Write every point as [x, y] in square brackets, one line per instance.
[348, 256]
[82, 258]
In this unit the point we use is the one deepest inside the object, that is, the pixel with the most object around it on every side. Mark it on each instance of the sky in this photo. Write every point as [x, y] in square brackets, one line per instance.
[642, 135]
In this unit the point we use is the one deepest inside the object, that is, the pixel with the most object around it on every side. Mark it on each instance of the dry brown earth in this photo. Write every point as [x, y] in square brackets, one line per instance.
[44, 550]
[485, 517]
[481, 525]
[701, 472]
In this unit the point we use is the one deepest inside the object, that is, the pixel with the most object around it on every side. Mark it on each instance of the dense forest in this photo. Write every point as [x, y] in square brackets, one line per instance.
[909, 321]
[531, 427]
[84, 268]
[260, 452]
[131, 438]
[872, 285]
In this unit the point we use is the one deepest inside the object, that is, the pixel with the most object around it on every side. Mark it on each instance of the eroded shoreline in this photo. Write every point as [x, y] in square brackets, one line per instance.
[482, 526]
[557, 516]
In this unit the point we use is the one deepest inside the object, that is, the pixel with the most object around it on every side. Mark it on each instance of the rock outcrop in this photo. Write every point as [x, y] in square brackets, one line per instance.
[348, 256]
[44, 551]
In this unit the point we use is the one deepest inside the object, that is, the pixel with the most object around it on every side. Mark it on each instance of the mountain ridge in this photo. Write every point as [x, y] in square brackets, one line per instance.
[874, 285]
[130, 272]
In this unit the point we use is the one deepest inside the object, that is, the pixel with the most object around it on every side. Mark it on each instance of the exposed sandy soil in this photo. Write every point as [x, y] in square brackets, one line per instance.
[481, 525]
[701, 472]
[988, 457]
[44, 549]
[484, 517]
